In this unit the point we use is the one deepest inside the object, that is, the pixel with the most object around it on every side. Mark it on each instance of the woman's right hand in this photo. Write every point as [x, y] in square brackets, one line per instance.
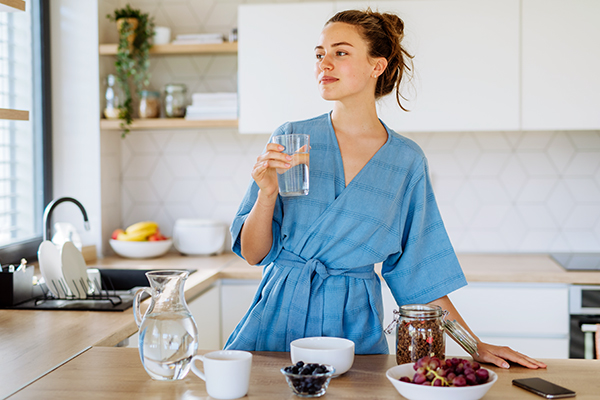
[264, 172]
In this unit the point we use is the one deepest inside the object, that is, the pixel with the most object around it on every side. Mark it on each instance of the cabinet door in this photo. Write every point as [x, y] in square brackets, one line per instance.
[276, 62]
[206, 311]
[561, 64]
[466, 64]
[531, 318]
[236, 297]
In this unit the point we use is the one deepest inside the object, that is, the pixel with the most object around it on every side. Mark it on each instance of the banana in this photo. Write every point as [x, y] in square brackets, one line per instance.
[139, 235]
[142, 227]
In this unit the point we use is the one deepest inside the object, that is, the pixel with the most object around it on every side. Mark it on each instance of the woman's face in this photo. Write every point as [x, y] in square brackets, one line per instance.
[343, 67]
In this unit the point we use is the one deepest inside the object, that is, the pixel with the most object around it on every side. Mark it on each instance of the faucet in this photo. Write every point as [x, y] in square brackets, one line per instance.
[48, 214]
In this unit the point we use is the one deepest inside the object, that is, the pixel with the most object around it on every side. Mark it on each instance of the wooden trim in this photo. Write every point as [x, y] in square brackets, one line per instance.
[212, 48]
[169, 123]
[17, 115]
[12, 5]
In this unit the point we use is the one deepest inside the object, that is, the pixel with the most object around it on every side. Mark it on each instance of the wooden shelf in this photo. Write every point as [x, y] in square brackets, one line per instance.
[16, 115]
[12, 5]
[169, 123]
[213, 48]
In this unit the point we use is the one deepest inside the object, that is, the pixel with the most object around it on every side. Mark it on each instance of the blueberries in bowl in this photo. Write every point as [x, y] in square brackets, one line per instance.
[308, 380]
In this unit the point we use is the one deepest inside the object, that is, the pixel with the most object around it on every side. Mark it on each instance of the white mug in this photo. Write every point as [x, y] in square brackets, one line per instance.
[226, 373]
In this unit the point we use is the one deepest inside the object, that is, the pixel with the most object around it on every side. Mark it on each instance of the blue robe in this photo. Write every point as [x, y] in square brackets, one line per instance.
[319, 277]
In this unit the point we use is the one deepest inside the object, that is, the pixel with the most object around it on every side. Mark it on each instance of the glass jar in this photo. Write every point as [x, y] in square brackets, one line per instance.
[420, 331]
[175, 100]
[112, 97]
[149, 104]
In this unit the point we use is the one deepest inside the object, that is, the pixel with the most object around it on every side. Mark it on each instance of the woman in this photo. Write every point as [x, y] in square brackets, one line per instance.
[370, 201]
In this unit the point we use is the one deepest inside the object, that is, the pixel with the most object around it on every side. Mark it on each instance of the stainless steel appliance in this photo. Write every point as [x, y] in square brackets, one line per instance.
[584, 307]
[584, 304]
[578, 261]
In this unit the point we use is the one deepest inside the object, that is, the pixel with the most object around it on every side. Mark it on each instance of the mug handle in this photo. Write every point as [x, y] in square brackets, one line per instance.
[136, 304]
[195, 369]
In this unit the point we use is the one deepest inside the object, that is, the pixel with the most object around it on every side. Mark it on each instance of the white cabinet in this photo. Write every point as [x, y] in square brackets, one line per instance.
[276, 64]
[561, 64]
[466, 64]
[530, 318]
[236, 297]
[206, 310]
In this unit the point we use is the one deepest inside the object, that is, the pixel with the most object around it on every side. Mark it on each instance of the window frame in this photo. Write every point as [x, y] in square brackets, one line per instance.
[12, 254]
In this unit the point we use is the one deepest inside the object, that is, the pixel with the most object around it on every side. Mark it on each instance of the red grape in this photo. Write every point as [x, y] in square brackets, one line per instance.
[431, 371]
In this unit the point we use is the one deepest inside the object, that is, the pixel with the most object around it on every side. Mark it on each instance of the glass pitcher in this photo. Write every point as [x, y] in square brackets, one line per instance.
[168, 335]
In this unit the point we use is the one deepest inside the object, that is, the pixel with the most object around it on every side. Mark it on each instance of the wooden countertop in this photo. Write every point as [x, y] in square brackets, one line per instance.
[117, 373]
[32, 343]
[530, 268]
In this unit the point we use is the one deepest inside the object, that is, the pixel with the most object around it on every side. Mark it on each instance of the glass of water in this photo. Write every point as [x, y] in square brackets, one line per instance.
[294, 181]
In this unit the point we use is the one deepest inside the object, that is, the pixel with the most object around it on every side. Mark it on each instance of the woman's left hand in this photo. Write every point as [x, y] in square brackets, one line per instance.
[499, 355]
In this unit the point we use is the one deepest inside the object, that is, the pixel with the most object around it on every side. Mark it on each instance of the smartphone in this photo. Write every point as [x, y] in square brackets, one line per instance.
[543, 388]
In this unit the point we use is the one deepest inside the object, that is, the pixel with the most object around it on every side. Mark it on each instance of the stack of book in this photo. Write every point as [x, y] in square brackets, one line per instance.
[199, 38]
[212, 106]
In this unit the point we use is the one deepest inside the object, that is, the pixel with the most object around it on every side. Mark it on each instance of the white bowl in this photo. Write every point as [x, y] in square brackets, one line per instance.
[420, 392]
[140, 249]
[338, 352]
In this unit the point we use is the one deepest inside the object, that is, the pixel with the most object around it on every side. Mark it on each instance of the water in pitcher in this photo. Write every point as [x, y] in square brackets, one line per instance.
[167, 345]
[294, 181]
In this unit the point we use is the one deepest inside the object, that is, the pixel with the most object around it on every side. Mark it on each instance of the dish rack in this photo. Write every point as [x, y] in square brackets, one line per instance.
[104, 294]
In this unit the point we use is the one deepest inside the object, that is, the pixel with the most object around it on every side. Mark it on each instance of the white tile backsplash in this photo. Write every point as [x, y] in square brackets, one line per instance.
[497, 191]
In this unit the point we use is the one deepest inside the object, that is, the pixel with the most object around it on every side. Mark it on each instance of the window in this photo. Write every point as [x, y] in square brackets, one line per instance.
[24, 145]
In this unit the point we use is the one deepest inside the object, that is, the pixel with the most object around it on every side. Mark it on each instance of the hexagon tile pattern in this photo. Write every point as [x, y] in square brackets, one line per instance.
[497, 191]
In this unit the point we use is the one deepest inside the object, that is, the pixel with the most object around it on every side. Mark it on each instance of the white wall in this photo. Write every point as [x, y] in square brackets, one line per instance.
[498, 191]
[75, 121]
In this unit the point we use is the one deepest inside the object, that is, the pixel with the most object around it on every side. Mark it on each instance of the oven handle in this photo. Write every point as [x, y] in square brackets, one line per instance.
[591, 333]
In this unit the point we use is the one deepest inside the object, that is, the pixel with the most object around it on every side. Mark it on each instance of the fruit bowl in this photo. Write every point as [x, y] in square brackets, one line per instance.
[413, 391]
[144, 249]
[311, 383]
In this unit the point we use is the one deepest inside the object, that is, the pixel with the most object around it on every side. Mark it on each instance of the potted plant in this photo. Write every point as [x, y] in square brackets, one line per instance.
[133, 57]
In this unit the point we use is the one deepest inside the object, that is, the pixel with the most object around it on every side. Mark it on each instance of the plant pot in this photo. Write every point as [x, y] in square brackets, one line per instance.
[134, 24]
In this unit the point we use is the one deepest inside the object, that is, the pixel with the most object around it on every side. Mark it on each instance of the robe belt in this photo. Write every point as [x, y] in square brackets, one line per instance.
[306, 292]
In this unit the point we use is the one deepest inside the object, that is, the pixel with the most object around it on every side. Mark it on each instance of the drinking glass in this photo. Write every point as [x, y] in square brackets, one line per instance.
[294, 181]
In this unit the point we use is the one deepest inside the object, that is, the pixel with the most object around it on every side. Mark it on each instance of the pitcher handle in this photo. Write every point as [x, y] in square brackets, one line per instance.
[136, 304]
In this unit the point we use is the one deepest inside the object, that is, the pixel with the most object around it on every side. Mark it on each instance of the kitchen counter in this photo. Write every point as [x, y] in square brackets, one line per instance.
[117, 373]
[33, 343]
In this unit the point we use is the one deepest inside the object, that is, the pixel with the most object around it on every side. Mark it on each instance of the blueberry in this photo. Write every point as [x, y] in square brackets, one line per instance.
[300, 364]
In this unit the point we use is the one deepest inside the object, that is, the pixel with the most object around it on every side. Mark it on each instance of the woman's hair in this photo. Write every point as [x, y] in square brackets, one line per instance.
[383, 33]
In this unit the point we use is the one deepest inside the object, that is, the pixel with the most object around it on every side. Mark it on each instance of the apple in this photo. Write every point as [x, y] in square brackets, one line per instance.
[116, 232]
[157, 236]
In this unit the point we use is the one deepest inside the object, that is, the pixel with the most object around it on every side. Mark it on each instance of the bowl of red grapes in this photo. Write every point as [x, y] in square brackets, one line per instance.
[308, 379]
[433, 378]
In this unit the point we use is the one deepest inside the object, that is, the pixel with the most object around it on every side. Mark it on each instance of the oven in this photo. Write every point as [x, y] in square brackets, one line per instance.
[584, 310]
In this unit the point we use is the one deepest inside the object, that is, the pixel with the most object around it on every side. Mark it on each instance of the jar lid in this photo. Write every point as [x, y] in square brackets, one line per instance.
[421, 311]
[175, 87]
[149, 93]
[461, 336]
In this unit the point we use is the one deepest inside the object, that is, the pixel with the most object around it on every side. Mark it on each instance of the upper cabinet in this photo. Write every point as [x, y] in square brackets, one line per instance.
[478, 65]
[466, 64]
[276, 64]
[561, 64]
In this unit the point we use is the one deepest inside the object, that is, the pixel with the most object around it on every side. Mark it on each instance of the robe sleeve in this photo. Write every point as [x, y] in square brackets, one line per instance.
[426, 267]
[246, 206]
